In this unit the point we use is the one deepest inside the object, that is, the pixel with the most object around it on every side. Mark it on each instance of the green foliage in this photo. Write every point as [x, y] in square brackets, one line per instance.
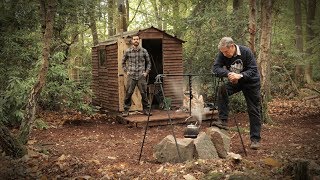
[314, 57]
[237, 103]
[285, 56]
[205, 26]
[40, 124]
[60, 92]
[19, 53]
[20, 58]
[167, 103]
[13, 100]
[241, 129]
[281, 78]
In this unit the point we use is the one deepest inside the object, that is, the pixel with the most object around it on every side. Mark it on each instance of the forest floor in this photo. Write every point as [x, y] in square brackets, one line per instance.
[75, 146]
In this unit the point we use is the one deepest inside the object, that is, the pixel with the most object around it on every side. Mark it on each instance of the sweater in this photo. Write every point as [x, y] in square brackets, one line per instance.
[223, 65]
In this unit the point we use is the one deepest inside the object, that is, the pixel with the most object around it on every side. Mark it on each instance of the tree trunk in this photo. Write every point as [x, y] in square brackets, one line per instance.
[157, 12]
[93, 25]
[111, 5]
[264, 56]
[126, 16]
[164, 10]
[176, 16]
[299, 41]
[47, 10]
[122, 22]
[252, 25]
[9, 144]
[311, 11]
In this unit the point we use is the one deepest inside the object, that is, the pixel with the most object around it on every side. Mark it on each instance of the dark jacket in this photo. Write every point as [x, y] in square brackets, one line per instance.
[250, 70]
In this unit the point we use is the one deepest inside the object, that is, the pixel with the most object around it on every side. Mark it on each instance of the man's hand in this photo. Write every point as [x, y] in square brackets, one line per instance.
[145, 74]
[234, 77]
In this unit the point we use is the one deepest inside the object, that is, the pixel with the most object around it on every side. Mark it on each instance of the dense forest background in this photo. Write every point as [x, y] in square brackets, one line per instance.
[45, 46]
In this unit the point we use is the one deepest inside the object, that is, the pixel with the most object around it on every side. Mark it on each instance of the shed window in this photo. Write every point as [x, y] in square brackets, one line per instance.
[102, 57]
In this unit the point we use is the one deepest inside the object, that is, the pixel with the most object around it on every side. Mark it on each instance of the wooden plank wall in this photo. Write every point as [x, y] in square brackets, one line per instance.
[103, 84]
[110, 79]
[95, 76]
[172, 64]
[105, 78]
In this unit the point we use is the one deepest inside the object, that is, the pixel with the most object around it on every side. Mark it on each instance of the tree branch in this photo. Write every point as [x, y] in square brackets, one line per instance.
[135, 13]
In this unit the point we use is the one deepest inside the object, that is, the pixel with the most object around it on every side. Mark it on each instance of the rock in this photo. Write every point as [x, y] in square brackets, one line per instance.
[166, 150]
[220, 139]
[62, 157]
[204, 148]
[235, 157]
[160, 170]
[25, 158]
[111, 157]
[82, 178]
[189, 177]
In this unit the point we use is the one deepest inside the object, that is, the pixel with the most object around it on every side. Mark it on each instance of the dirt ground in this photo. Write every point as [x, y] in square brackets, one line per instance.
[98, 147]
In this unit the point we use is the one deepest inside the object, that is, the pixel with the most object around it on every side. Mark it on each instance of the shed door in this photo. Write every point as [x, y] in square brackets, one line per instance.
[136, 97]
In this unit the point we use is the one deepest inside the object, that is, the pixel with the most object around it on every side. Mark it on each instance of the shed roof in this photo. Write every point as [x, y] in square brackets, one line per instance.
[128, 34]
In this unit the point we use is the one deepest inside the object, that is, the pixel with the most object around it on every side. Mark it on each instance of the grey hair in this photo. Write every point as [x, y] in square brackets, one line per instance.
[225, 42]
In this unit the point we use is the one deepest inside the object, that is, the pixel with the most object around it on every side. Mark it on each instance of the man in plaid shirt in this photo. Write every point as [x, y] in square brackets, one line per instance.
[136, 64]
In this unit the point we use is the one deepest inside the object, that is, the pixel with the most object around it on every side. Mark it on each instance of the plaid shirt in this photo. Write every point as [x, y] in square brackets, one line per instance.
[134, 61]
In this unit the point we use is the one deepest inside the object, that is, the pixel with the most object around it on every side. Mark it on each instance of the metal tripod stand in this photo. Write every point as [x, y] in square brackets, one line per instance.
[159, 82]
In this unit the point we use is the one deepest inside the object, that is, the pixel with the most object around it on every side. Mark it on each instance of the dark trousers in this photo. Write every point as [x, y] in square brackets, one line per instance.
[142, 85]
[252, 96]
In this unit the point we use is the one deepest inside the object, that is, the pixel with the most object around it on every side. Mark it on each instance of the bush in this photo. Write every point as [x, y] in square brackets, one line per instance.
[237, 103]
[61, 93]
[13, 100]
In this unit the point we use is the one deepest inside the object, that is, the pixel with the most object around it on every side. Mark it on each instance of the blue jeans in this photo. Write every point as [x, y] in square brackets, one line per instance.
[251, 93]
[131, 85]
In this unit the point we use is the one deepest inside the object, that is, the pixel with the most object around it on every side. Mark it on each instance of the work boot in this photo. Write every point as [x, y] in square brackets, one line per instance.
[146, 112]
[222, 124]
[255, 144]
[125, 113]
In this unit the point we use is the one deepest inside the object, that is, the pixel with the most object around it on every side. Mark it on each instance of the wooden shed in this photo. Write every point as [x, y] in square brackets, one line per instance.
[109, 80]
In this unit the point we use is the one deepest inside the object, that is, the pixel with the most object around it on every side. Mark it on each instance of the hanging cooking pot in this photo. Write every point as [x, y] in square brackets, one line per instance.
[191, 131]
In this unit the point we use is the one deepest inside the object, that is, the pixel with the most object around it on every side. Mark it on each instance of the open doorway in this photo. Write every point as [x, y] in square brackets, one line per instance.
[154, 48]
